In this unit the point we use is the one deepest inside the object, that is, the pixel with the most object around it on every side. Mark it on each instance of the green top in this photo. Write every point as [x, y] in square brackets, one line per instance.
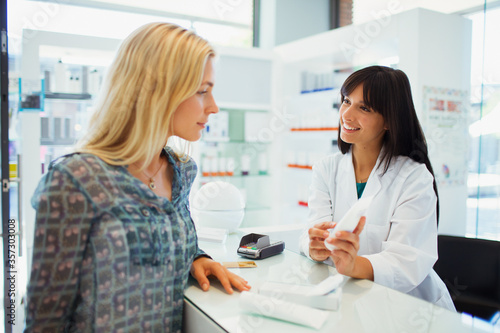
[360, 187]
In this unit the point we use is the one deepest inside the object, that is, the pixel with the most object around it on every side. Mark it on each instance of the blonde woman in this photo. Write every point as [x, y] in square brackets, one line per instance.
[114, 241]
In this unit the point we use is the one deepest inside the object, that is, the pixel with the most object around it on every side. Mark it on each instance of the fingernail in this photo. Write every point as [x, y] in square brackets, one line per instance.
[337, 234]
[204, 287]
[326, 234]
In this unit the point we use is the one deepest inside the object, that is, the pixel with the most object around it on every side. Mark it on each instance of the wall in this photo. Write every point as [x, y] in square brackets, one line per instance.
[282, 21]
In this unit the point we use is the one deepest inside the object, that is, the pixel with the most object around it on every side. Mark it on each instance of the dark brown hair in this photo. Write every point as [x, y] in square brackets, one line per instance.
[388, 92]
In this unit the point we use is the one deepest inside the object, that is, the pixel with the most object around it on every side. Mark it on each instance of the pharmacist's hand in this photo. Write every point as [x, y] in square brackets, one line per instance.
[345, 255]
[317, 236]
[204, 267]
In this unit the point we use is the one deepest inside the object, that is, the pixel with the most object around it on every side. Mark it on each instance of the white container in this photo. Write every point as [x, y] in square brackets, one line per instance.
[60, 77]
[258, 127]
[94, 82]
[218, 204]
[230, 166]
[215, 166]
[222, 166]
[245, 165]
[206, 166]
[217, 128]
[262, 164]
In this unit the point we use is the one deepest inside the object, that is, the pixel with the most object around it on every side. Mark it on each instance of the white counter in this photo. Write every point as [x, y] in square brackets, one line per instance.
[365, 306]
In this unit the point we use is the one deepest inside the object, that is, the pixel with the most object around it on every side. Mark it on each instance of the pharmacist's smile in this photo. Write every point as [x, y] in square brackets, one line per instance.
[349, 128]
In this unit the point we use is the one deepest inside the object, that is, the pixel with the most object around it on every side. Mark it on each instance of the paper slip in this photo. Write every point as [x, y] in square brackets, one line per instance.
[239, 264]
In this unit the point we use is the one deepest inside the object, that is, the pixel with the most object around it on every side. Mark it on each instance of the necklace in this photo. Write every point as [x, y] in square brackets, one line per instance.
[151, 178]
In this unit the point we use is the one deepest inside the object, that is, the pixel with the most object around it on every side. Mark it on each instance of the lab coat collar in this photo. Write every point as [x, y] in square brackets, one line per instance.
[347, 179]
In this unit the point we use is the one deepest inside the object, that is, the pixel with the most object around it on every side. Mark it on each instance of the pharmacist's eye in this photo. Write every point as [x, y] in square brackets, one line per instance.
[364, 108]
[346, 101]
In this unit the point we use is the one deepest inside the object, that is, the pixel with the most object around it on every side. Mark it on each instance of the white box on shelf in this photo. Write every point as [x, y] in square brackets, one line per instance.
[255, 127]
[217, 128]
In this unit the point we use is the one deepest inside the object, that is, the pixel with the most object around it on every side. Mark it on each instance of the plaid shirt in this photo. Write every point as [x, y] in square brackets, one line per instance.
[109, 255]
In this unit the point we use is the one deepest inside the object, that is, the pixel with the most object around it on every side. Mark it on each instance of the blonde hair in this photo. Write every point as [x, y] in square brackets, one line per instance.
[156, 68]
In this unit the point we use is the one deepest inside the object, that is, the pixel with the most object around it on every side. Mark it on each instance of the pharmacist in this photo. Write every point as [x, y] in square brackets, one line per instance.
[383, 157]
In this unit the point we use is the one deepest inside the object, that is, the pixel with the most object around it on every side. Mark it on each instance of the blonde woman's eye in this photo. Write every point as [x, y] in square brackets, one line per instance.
[203, 92]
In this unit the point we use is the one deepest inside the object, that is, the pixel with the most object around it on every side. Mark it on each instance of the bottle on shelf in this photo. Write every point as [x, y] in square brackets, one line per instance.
[245, 165]
[262, 164]
[94, 82]
[213, 166]
[230, 166]
[60, 77]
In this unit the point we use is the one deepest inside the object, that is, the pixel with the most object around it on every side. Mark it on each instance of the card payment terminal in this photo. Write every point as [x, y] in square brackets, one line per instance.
[257, 246]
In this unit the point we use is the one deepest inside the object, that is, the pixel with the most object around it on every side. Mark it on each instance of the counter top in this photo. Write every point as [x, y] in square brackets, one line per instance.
[365, 306]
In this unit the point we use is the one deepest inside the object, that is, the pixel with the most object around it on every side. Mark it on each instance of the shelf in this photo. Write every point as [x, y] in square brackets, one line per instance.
[235, 142]
[311, 129]
[244, 106]
[60, 142]
[58, 95]
[253, 176]
[30, 109]
[306, 167]
[316, 90]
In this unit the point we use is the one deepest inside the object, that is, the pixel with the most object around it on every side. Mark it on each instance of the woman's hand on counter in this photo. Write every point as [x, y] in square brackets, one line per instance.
[204, 267]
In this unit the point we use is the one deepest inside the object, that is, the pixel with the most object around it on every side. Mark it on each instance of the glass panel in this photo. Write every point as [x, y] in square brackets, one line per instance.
[483, 204]
[233, 11]
[57, 17]
[231, 21]
[224, 35]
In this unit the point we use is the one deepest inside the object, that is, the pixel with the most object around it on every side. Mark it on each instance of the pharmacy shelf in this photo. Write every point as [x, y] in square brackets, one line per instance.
[401, 41]
[228, 178]
[69, 96]
[314, 129]
[243, 106]
[305, 167]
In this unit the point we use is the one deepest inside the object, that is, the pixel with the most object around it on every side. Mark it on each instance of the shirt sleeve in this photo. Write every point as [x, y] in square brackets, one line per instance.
[190, 170]
[410, 250]
[63, 219]
[319, 202]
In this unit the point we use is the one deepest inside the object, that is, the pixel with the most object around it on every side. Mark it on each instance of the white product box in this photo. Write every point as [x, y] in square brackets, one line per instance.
[299, 294]
[217, 128]
[258, 127]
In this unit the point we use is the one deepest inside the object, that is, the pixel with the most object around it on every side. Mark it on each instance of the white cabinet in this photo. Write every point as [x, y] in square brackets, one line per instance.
[408, 41]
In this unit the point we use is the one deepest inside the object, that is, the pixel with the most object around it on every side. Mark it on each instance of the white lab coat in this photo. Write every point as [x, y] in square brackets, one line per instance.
[400, 235]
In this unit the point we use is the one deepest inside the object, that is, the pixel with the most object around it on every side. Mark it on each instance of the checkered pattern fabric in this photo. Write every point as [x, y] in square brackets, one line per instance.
[109, 254]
